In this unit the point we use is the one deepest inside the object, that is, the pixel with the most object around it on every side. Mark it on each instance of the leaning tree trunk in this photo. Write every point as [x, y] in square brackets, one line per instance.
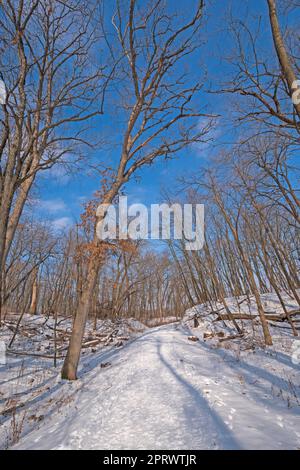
[69, 370]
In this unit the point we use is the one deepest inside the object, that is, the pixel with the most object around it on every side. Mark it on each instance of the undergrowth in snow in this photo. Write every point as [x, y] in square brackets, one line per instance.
[30, 386]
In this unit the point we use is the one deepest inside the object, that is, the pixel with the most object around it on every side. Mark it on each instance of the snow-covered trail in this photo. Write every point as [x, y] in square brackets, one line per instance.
[162, 391]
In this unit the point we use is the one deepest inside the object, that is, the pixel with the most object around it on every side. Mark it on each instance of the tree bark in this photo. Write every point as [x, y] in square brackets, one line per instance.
[34, 292]
[69, 370]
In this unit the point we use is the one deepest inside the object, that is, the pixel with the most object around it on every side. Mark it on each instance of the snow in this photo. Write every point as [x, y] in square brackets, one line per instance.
[162, 391]
[241, 304]
[30, 385]
[173, 386]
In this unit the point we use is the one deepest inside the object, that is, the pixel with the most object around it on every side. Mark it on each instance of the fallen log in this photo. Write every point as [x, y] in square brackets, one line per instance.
[244, 316]
[193, 338]
[294, 312]
[227, 338]
[285, 327]
[235, 316]
[23, 353]
[91, 343]
[212, 334]
[109, 337]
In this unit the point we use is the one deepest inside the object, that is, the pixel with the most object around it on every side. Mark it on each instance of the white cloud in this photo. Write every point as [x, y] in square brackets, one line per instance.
[61, 223]
[82, 199]
[212, 130]
[52, 205]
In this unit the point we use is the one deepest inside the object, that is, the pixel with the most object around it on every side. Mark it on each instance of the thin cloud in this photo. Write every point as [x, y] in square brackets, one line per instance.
[52, 206]
[61, 223]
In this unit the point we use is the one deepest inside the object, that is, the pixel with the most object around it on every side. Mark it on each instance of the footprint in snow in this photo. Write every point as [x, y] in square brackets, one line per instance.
[229, 425]
[279, 421]
[220, 403]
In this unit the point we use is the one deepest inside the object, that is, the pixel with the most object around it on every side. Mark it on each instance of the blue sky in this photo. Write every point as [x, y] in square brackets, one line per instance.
[60, 195]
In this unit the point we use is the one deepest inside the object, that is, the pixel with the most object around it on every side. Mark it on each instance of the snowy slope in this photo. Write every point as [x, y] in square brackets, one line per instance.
[162, 391]
[30, 385]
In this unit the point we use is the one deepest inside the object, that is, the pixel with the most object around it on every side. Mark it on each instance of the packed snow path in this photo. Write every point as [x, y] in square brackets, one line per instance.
[162, 391]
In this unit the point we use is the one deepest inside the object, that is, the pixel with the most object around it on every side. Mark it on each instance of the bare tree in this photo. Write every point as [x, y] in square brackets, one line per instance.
[161, 118]
[265, 79]
[52, 87]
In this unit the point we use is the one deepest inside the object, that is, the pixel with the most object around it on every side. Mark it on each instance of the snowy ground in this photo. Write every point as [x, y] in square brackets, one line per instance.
[30, 385]
[173, 386]
[163, 391]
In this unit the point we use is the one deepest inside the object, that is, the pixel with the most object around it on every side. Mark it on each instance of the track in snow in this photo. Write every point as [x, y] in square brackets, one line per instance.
[163, 392]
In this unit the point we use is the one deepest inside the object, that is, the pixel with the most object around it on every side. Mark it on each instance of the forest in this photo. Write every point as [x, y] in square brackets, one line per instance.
[165, 103]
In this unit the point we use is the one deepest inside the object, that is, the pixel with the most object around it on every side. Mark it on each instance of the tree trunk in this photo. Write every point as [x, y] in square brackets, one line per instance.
[69, 370]
[34, 291]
